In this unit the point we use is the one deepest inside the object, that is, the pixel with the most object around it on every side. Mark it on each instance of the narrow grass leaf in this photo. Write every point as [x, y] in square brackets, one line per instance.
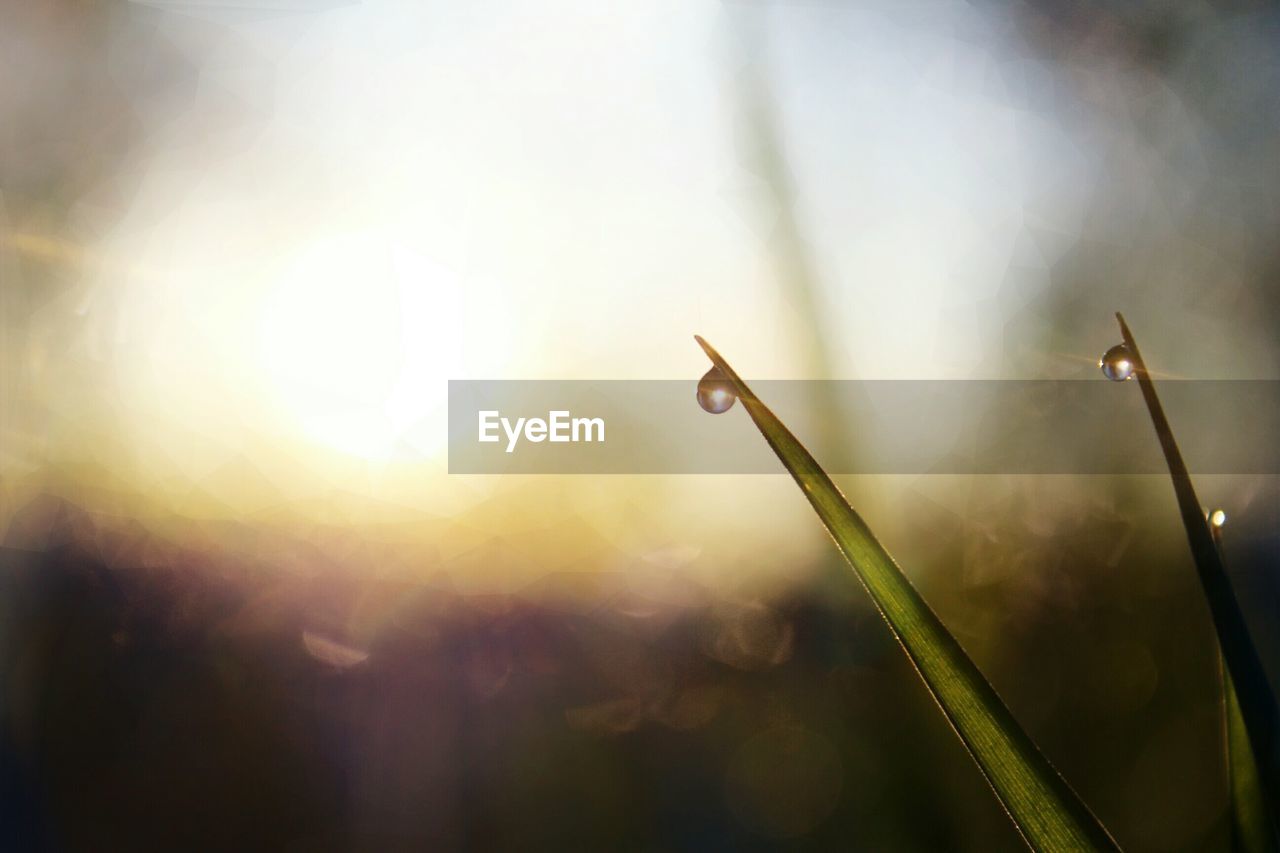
[1256, 702]
[1048, 814]
[1251, 830]
[1250, 824]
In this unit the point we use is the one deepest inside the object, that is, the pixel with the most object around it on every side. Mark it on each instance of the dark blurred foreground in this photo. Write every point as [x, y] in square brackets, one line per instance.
[152, 706]
[183, 707]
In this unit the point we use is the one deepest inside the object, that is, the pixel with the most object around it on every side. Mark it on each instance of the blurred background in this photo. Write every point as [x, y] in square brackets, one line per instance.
[243, 247]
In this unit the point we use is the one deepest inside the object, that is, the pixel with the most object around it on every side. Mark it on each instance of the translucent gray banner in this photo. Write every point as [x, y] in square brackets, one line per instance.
[862, 427]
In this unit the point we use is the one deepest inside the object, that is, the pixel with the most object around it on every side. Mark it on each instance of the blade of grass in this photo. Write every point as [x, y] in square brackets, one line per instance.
[1251, 829]
[795, 268]
[1257, 704]
[1048, 814]
[791, 254]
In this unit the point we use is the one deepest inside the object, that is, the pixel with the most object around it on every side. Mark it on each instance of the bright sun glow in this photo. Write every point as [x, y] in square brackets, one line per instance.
[356, 339]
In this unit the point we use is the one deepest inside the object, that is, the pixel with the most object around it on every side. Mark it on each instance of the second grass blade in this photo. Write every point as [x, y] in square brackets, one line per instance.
[1250, 825]
[1256, 703]
[1048, 814]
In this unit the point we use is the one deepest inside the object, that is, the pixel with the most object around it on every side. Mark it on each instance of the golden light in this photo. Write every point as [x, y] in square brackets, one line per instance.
[356, 338]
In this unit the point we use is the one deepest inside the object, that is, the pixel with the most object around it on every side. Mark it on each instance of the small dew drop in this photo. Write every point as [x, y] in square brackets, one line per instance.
[715, 392]
[1217, 518]
[1116, 364]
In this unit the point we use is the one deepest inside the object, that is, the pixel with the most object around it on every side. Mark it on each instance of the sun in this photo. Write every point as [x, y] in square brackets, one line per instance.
[356, 338]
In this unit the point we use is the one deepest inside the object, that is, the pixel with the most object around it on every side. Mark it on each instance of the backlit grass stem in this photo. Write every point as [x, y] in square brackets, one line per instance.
[1048, 814]
[1244, 670]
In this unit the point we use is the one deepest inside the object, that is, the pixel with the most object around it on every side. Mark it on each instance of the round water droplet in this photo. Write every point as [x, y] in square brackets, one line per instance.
[715, 392]
[1116, 363]
[1217, 518]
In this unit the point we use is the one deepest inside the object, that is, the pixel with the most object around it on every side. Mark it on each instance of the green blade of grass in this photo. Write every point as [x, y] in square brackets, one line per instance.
[1048, 814]
[1256, 703]
[1250, 825]
[1251, 830]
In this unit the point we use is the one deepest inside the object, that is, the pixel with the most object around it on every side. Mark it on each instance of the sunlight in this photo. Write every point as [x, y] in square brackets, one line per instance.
[356, 338]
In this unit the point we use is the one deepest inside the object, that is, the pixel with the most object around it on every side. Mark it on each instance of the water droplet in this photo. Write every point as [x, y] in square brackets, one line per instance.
[1217, 518]
[1116, 364]
[715, 392]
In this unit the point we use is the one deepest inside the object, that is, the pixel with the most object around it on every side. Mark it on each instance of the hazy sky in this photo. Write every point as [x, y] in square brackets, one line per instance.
[267, 239]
